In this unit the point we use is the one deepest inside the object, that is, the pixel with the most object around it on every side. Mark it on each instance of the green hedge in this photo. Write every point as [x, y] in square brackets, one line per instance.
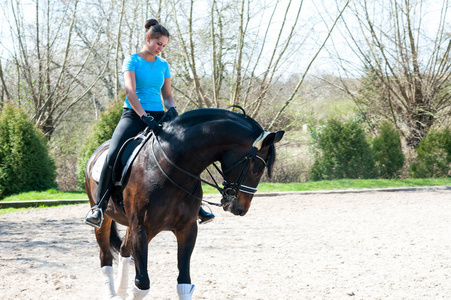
[25, 162]
[433, 155]
[388, 152]
[341, 151]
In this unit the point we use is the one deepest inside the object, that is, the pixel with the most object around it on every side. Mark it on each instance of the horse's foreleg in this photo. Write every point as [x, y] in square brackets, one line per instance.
[186, 241]
[139, 241]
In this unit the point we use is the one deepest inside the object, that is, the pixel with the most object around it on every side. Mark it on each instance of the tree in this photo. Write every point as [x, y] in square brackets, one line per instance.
[403, 64]
[25, 163]
[46, 66]
[64, 58]
[237, 51]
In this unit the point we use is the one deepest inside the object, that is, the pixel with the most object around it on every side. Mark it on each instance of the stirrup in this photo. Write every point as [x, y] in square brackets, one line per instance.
[211, 212]
[206, 221]
[92, 210]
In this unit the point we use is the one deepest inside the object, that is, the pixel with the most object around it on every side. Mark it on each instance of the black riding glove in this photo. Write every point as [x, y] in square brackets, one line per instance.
[172, 112]
[170, 115]
[150, 121]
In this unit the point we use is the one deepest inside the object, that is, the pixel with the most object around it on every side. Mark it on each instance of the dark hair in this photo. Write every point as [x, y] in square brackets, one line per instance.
[155, 29]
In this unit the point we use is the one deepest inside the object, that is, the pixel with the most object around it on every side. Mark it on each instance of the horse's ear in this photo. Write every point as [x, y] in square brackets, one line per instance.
[272, 138]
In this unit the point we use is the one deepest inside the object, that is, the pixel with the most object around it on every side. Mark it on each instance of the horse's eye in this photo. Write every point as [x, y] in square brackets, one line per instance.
[256, 170]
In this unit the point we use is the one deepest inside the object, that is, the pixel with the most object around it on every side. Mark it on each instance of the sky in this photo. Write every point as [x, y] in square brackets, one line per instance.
[315, 20]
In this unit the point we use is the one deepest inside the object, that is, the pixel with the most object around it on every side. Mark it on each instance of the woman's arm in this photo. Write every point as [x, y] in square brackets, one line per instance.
[130, 91]
[166, 92]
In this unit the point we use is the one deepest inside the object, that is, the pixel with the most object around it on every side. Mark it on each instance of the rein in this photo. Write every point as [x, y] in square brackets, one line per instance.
[215, 185]
[230, 191]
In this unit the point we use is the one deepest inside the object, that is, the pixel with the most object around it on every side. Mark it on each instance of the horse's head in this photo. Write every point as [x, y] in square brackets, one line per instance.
[243, 167]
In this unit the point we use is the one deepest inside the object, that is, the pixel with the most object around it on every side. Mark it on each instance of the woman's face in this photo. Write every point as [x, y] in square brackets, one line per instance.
[155, 46]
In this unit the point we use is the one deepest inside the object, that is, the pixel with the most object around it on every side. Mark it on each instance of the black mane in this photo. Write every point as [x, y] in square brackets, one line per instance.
[202, 115]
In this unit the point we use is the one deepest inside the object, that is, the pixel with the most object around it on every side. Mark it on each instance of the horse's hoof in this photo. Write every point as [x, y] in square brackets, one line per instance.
[138, 294]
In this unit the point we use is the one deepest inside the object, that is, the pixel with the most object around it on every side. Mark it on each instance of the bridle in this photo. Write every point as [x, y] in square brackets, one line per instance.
[231, 189]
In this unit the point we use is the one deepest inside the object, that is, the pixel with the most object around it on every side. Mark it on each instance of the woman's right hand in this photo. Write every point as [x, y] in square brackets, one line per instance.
[150, 121]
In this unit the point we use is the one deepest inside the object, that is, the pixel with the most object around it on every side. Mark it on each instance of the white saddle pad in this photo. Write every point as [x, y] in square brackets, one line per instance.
[98, 165]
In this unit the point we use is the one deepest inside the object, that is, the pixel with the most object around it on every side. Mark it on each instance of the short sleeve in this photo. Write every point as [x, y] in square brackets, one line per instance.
[167, 73]
[128, 64]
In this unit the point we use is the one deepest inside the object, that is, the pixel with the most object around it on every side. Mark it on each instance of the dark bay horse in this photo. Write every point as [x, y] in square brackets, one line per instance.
[163, 191]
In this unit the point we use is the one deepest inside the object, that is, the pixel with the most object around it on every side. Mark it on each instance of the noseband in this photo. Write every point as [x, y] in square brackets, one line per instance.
[230, 191]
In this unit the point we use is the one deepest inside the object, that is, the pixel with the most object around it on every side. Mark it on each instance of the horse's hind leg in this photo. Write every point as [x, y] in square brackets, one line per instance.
[106, 257]
[124, 266]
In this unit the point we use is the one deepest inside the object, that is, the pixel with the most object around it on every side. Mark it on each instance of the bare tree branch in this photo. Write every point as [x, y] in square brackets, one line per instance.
[290, 99]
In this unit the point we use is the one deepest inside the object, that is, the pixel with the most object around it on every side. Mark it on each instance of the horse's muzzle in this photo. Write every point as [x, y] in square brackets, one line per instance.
[238, 212]
[235, 207]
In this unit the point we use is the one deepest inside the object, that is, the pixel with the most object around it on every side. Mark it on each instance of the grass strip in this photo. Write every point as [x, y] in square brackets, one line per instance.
[344, 184]
[263, 187]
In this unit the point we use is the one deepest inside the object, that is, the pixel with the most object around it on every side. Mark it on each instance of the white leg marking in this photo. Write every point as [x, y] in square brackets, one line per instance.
[185, 291]
[122, 279]
[108, 283]
[138, 294]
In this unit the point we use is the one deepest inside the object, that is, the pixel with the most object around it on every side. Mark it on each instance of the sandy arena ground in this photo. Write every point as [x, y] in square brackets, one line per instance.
[372, 245]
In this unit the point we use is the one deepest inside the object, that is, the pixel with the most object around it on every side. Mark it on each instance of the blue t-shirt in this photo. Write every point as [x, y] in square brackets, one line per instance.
[150, 78]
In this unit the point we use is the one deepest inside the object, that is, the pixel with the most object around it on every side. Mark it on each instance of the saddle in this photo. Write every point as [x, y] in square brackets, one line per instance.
[128, 152]
[124, 158]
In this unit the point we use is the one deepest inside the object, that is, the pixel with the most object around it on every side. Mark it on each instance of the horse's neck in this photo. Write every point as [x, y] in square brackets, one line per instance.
[204, 145]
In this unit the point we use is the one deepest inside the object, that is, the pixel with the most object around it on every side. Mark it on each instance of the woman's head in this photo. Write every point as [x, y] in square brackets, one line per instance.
[154, 30]
[157, 37]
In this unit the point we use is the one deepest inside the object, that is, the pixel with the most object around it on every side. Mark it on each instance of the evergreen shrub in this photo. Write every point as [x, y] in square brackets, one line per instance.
[433, 155]
[387, 151]
[101, 131]
[341, 151]
[25, 162]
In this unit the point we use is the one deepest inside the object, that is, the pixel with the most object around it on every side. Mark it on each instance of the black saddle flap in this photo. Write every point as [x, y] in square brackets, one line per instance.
[126, 156]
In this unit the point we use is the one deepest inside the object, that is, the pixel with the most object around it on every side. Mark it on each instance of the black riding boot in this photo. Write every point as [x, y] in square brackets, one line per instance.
[103, 195]
[204, 216]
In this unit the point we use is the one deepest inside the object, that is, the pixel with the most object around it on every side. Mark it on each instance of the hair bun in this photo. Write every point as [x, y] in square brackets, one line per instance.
[149, 23]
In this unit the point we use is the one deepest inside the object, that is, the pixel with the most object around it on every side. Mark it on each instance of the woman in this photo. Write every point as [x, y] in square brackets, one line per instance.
[147, 79]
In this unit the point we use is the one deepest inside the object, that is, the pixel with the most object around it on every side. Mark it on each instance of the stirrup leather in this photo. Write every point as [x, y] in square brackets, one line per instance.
[91, 211]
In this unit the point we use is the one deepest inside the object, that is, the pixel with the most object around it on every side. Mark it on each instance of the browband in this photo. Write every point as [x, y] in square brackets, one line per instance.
[259, 141]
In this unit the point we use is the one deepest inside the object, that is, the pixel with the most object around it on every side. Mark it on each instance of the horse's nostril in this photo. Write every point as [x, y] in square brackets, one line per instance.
[241, 212]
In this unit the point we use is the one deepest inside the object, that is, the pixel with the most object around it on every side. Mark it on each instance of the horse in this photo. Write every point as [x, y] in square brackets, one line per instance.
[163, 190]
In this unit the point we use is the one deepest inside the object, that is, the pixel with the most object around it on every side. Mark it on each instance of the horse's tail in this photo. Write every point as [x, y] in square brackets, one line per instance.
[115, 239]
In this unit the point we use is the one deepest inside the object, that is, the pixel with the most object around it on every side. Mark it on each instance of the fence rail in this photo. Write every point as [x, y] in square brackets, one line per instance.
[37, 203]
